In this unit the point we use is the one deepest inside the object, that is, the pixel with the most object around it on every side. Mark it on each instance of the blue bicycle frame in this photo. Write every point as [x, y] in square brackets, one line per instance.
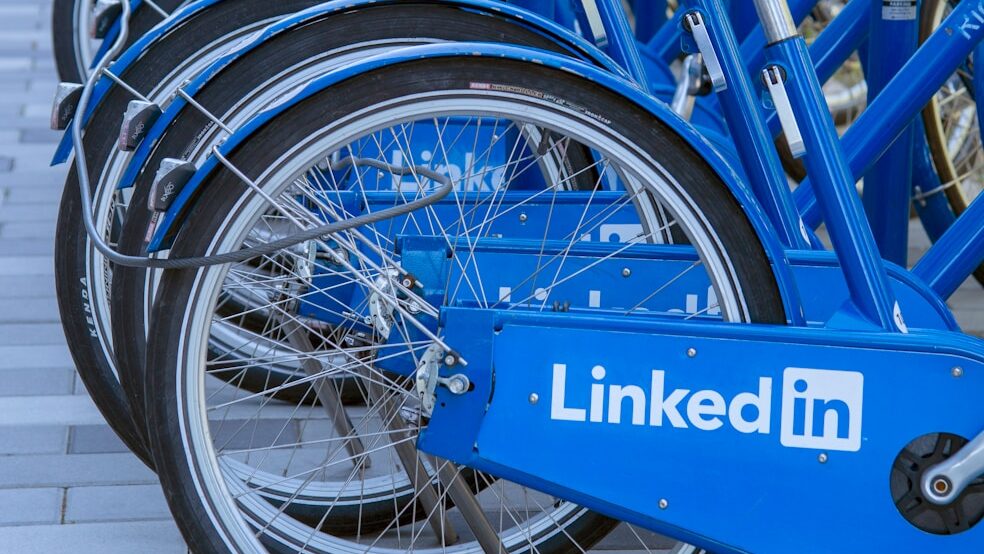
[698, 404]
[726, 423]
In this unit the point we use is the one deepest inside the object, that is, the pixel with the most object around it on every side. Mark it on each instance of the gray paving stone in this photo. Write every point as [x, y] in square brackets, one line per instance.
[26, 265]
[153, 537]
[30, 440]
[29, 212]
[41, 177]
[28, 310]
[41, 334]
[29, 230]
[32, 357]
[235, 434]
[23, 506]
[48, 411]
[627, 538]
[74, 470]
[94, 439]
[36, 382]
[26, 286]
[29, 195]
[115, 503]
[39, 136]
[26, 246]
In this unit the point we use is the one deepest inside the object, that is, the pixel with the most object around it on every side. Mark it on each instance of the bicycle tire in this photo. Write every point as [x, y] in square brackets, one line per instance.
[290, 49]
[71, 63]
[195, 513]
[83, 320]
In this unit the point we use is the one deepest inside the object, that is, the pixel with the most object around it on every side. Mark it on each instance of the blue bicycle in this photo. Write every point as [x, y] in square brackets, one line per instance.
[487, 244]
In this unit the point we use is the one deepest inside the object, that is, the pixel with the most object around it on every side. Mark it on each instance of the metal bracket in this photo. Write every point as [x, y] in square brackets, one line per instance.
[138, 118]
[65, 105]
[104, 15]
[171, 177]
[428, 378]
[380, 311]
[694, 22]
[775, 82]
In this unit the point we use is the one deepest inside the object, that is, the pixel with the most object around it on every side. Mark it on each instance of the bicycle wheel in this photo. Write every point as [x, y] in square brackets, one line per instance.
[242, 90]
[952, 126]
[83, 277]
[75, 50]
[509, 120]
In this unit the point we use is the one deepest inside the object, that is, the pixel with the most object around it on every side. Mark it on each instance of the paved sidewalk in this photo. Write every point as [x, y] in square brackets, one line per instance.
[67, 484]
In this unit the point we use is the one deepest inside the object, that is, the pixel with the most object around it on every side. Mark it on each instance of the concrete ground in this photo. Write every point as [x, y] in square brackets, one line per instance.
[66, 483]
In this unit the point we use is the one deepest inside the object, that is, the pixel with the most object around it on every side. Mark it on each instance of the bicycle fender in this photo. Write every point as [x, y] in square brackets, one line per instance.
[576, 45]
[169, 222]
[126, 59]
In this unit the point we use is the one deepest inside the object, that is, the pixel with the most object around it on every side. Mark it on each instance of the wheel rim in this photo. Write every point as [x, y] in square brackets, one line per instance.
[206, 462]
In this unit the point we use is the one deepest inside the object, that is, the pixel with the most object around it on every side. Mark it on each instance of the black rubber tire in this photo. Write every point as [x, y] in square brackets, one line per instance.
[94, 365]
[164, 376]
[410, 19]
[63, 31]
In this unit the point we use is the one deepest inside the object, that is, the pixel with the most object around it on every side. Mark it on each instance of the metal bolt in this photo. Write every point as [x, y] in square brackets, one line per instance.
[534, 398]
[407, 283]
[691, 352]
[450, 359]
[822, 458]
[414, 307]
[367, 320]
[663, 504]
[626, 272]
[957, 371]
[941, 486]
[458, 384]
[523, 218]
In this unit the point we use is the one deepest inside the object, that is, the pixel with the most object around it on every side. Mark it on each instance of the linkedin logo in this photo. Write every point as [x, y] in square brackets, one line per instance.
[821, 409]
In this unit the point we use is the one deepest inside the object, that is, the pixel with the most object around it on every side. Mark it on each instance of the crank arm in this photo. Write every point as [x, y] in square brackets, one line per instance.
[944, 482]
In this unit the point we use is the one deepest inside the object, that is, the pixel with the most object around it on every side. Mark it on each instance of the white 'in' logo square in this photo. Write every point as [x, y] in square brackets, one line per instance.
[821, 409]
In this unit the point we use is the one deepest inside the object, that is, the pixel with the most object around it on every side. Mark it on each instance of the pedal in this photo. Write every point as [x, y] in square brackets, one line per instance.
[66, 103]
[774, 78]
[137, 119]
[171, 178]
[104, 14]
[694, 22]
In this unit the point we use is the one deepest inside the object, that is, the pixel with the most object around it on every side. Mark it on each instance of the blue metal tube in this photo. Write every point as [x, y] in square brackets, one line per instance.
[979, 84]
[617, 39]
[841, 38]
[893, 39]
[650, 17]
[753, 45]
[956, 254]
[665, 44]
[741, 106]
[903, 98]
[866, 277]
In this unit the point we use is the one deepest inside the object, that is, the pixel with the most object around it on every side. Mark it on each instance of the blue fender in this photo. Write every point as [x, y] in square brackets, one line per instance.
[573, 43]
[170, 221]
[121, 64]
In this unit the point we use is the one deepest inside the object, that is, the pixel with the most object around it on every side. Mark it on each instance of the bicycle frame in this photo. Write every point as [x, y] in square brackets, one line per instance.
[703, 469]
